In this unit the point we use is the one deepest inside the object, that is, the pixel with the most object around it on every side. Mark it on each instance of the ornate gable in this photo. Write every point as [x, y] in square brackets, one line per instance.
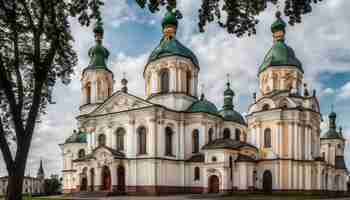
[119, 102]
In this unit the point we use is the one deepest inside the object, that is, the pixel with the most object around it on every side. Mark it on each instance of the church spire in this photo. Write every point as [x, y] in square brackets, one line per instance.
[332, 119]
[41, 173]
[278, 28]
[98, 54]
[169, 24]
[228, 96]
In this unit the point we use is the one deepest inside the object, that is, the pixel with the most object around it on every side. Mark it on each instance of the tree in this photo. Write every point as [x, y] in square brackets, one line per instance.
[52, 186]
[36, 51]
[240, 15]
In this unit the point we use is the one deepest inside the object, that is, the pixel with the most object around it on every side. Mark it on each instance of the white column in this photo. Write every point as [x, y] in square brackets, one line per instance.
[291, 140]
[113, 169]
[154, 82]
[276, 139]
[281, 144]
[172, 79]
[151, 139]
[258, 136]
[88, 135]
[300, 144]
[181, 134]
[295, 140]
[131, 139]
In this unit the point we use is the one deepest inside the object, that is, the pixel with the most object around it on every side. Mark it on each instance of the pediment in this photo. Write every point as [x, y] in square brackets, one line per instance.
[119, 102]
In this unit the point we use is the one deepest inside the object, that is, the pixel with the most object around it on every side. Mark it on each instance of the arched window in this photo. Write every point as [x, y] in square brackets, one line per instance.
[81, 153]
[109, 91]
[164, 81]
[168, 141]
[266, 107]
[88, 92]
[195, 141]
[102, 140]
[227, 133]
[210, 135]
[120, 139]
[267, 138]
[142, 140]
[197, 175]
[238, 134]
[188, 82]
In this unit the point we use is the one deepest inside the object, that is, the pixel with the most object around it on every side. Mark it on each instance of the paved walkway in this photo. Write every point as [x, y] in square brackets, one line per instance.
[213, 197]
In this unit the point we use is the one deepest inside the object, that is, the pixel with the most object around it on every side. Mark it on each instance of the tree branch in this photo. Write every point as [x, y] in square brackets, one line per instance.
[29, 16]
[8, 90]
[5, 149]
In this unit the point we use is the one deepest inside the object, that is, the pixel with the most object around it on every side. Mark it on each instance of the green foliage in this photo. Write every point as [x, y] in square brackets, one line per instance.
[52, 186]
[237, 17]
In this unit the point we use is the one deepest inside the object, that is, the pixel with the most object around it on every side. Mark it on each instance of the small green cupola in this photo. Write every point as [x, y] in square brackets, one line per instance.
[280, 55]
[228, 112]
[332, 132]
[228, 97]
[203, 105]
[169, 19]
[98, 54]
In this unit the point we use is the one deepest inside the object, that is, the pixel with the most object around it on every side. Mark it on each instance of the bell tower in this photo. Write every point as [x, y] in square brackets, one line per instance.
[97, 80]
[281, 69]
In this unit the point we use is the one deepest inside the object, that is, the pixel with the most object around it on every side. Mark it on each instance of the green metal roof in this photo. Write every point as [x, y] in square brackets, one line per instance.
[232, 115]
[172, 47]
[203, 105]
[77, 137]
[280, 55]
[98, 56]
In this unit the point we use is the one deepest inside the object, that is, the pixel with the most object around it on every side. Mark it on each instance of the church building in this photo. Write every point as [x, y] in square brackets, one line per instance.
[175, 140]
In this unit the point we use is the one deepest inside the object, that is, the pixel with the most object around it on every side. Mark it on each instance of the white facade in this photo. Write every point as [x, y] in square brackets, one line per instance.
[173, 142]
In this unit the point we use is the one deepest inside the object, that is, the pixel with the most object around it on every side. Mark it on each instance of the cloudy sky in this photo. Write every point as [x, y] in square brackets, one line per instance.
[321, 43]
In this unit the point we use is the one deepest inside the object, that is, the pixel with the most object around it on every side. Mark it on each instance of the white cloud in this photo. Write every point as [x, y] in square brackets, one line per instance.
[344, 92]
[327, 92]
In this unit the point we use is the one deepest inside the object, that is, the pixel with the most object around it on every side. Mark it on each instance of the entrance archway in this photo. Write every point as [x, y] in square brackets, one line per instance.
[83, 180]
[267, 181]
[214, 184]
[121, 178]
[83, 186]
[106, 178]
[92, 178]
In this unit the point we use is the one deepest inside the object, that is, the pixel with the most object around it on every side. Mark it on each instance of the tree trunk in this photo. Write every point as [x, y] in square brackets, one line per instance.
[15, 185]
[16, 175]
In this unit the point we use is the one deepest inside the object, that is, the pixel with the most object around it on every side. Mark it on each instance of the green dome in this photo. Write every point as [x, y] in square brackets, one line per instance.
[232, 115]
[77, 137]
[279, 24]
[172, 47]
[203, 105]
[98, 55]
[280, 55]
[229, 91]
[332, 134]
[169, 19]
